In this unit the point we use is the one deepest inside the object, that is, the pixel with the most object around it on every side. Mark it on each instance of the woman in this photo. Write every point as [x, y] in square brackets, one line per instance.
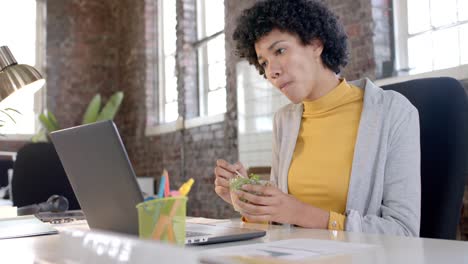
[346, 156]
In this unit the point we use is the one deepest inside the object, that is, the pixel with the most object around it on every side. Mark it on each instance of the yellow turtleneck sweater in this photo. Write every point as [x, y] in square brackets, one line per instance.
[321, 165]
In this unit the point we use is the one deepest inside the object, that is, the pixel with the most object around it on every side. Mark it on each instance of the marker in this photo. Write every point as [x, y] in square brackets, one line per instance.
[162, 184]
[185, 188]
[167, 189]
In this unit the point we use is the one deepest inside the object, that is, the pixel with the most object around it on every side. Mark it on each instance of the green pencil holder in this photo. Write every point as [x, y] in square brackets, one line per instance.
[163, 219]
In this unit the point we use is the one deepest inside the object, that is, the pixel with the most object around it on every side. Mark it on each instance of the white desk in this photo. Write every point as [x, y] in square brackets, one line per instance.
[95, 247]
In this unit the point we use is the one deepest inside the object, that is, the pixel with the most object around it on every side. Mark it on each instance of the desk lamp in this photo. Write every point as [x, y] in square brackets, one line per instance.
[16, 79]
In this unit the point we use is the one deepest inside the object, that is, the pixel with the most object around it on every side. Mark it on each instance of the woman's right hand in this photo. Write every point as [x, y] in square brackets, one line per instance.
[224, 171]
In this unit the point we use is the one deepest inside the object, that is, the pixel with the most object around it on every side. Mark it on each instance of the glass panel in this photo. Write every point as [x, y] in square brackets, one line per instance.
[462, 10]
[443, 12]
[216, 50]
[418, 16]
[214, 16]
[21, 40]
[217, 76]
[463, 44]
[445, 44]
[217, 102]
[419, 53]
[170, 112]
[170, 79]
[169, 22]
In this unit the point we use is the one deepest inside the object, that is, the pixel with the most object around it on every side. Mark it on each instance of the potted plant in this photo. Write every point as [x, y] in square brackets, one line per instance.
[38, 172]
[93, 113]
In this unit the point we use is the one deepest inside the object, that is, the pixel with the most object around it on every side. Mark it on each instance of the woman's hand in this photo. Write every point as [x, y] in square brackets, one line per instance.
[272, 205]
[223, 172]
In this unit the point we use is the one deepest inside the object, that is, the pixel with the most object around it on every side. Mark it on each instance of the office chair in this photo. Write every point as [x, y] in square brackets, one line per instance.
[38, 174]
[442, 107]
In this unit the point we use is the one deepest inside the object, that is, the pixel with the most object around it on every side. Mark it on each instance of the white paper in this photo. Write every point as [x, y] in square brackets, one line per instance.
[206, 221]
[291, 249]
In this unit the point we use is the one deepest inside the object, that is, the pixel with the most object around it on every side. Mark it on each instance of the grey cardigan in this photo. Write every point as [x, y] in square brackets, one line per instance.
[385, 187]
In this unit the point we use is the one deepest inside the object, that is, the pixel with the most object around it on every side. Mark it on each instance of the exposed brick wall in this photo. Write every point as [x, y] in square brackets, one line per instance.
[383, 37]
[356, 17]
[82, 55]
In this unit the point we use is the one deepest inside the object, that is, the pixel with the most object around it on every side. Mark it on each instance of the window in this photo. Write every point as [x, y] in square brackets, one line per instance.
[167, 67]
[211, 57]
[26, 44]
[431, 34]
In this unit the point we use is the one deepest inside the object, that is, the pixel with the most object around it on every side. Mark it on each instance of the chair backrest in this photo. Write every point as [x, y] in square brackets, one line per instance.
[442, 107]
[38, 174]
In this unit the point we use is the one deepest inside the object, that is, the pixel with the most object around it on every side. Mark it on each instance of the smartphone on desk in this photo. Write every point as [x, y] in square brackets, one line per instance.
[61, 217]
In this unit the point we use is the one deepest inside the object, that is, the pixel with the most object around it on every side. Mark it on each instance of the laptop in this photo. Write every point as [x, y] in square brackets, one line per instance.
[102, 177]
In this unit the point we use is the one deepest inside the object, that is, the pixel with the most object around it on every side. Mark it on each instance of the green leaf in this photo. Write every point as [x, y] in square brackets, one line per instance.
[111, 108]
[53, 121]
[46, 123]
[7, 114]
[92, 111]
[14, 110]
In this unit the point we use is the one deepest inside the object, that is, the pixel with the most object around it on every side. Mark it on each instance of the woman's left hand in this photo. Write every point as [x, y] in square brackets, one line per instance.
[272, 205]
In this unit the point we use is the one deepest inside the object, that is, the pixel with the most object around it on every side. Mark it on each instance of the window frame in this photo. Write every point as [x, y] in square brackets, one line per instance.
[202, 59]
[401, 36]
[161, 119]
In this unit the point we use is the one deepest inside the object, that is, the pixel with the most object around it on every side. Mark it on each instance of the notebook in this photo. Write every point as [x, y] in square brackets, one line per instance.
[104, 182]
[24, 226]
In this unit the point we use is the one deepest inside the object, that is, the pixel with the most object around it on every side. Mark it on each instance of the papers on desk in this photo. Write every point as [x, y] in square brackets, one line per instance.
[7, 211]
[283, 251]
[24, 226]
[206, 221]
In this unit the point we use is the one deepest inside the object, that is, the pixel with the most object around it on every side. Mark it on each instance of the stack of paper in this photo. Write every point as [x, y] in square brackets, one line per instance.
[8, 211]
[24, 226]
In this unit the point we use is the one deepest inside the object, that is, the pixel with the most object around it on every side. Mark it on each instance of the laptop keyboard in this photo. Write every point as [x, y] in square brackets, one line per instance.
[195, 234]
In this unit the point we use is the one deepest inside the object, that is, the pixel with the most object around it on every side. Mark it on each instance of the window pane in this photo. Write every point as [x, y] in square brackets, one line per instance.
[170, 112]
[419, 53]
[217, 102]
[462, 10]
[169, 22]
[463, 44]
[443, 12]
[215, 49]
[170, 84]
[445, 48]
[214, 16]
[22, 45]
[217, 76]
[418, 16]
[212, 64]
[21, 40]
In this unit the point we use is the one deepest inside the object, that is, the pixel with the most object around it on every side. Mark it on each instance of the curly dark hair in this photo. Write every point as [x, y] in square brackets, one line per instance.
[308, 19]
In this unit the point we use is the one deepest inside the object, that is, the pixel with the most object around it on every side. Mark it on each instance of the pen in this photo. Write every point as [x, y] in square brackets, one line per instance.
[162, 184]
